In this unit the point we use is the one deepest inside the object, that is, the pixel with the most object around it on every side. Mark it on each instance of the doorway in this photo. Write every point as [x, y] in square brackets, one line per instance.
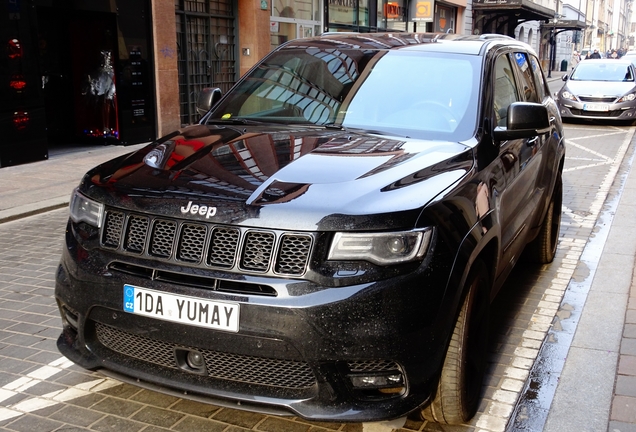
[77, 53]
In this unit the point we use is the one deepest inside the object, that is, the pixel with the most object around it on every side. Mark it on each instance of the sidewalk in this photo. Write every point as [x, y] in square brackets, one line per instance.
[46, 185]
[596, 390]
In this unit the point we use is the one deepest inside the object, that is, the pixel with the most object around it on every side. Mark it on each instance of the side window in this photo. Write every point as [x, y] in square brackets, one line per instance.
[505, 89]
[528, 86]
[542, 90]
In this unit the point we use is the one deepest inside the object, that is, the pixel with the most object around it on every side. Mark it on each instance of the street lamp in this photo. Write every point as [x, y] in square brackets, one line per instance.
[552, 45]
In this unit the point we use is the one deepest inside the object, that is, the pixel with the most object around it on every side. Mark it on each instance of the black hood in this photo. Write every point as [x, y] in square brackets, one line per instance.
[282, 177]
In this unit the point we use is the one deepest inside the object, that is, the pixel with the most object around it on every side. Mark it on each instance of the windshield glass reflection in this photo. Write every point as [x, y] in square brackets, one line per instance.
[403, 92]
[596, 71]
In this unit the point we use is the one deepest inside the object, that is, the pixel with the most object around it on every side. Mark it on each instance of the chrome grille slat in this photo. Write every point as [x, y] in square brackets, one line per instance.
[136, 234]
[234, 367]
[223, 245]
[604, 99]
[192, 242]
[162, 238]
[257, 251]
[372, 366]
[208, 245]
[293, 254]
[114, 226]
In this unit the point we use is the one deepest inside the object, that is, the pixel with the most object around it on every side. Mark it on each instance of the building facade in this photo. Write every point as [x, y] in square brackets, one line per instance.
[129, 71]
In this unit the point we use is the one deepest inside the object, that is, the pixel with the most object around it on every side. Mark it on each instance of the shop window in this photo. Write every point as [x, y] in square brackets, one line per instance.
[206, 46]
[302, 10]
[445, 19]
[392, 14]
[292, 19]
[351, 12]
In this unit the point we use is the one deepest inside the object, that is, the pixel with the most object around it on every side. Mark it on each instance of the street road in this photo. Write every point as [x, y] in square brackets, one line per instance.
[41, 391]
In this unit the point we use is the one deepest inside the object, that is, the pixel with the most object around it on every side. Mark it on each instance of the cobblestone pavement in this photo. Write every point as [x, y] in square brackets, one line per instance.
[41, 391]
[599, 159]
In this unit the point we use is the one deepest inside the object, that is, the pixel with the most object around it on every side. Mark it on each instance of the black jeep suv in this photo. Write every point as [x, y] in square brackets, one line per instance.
[327, 240]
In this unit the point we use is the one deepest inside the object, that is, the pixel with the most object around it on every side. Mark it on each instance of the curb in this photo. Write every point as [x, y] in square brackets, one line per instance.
[20, 212]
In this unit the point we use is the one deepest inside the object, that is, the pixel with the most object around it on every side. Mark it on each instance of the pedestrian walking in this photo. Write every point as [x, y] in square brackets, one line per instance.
[576, 59]
[595, 55]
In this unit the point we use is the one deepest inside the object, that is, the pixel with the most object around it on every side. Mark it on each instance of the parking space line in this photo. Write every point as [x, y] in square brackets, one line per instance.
[11, 389]
[39, 375]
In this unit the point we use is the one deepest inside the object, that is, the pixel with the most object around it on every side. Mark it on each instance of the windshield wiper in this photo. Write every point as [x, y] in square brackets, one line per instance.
[233, 121]
[334, 126]
[361, 130]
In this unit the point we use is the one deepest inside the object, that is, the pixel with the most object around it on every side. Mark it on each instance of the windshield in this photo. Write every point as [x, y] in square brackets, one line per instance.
[593, 70]
[403, 92]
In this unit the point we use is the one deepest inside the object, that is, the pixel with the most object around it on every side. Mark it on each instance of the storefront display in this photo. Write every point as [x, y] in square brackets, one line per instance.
[76, 73]
[22, 124]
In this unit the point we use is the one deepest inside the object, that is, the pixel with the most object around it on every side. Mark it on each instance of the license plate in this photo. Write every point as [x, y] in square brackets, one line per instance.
[595, 107]
[181, 309]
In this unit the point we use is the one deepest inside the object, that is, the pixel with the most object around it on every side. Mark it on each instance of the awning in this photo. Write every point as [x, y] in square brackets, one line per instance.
[522, 10]
[568, 25]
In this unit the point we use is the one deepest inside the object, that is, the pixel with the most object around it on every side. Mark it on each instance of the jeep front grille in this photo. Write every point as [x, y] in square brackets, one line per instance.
[208, 245]
[235, 367]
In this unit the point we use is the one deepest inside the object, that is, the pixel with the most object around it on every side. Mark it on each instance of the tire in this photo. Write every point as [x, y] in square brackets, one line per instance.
[543, 248]
[459, 388]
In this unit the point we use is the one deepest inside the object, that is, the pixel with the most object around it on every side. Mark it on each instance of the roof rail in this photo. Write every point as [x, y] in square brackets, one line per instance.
[487, 36]
[327, 33]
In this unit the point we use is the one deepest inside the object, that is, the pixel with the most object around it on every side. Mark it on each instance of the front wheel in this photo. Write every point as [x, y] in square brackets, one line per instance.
[543, 248]
[459, 387]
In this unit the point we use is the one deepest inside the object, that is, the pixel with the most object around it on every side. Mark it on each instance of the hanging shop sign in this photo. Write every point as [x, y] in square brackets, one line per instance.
[422, 10]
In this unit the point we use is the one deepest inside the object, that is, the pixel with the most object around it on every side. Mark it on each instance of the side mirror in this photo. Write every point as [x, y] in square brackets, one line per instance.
[525, 120]
[565, 77]
[207, 98]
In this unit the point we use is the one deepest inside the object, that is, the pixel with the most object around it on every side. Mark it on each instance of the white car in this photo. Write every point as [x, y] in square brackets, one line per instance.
[601, 89]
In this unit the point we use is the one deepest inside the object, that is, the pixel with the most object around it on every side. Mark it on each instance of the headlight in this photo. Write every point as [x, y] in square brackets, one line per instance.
[381, 248]
[83, 209]
[567, 95]
[627, 98]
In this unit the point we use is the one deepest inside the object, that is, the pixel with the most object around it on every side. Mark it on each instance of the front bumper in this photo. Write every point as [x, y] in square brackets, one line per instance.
[299, 352]
[616, 111]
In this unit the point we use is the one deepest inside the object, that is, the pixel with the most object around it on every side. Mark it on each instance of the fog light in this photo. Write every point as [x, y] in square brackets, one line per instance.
[195, 360]
[190, 360]
[394, 380]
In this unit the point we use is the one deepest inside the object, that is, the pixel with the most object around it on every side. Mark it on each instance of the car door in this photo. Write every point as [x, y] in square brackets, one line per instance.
[520, 158]
[551, 141]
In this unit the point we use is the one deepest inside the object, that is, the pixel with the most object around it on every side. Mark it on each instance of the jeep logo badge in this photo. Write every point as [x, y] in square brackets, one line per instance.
[202, 210]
